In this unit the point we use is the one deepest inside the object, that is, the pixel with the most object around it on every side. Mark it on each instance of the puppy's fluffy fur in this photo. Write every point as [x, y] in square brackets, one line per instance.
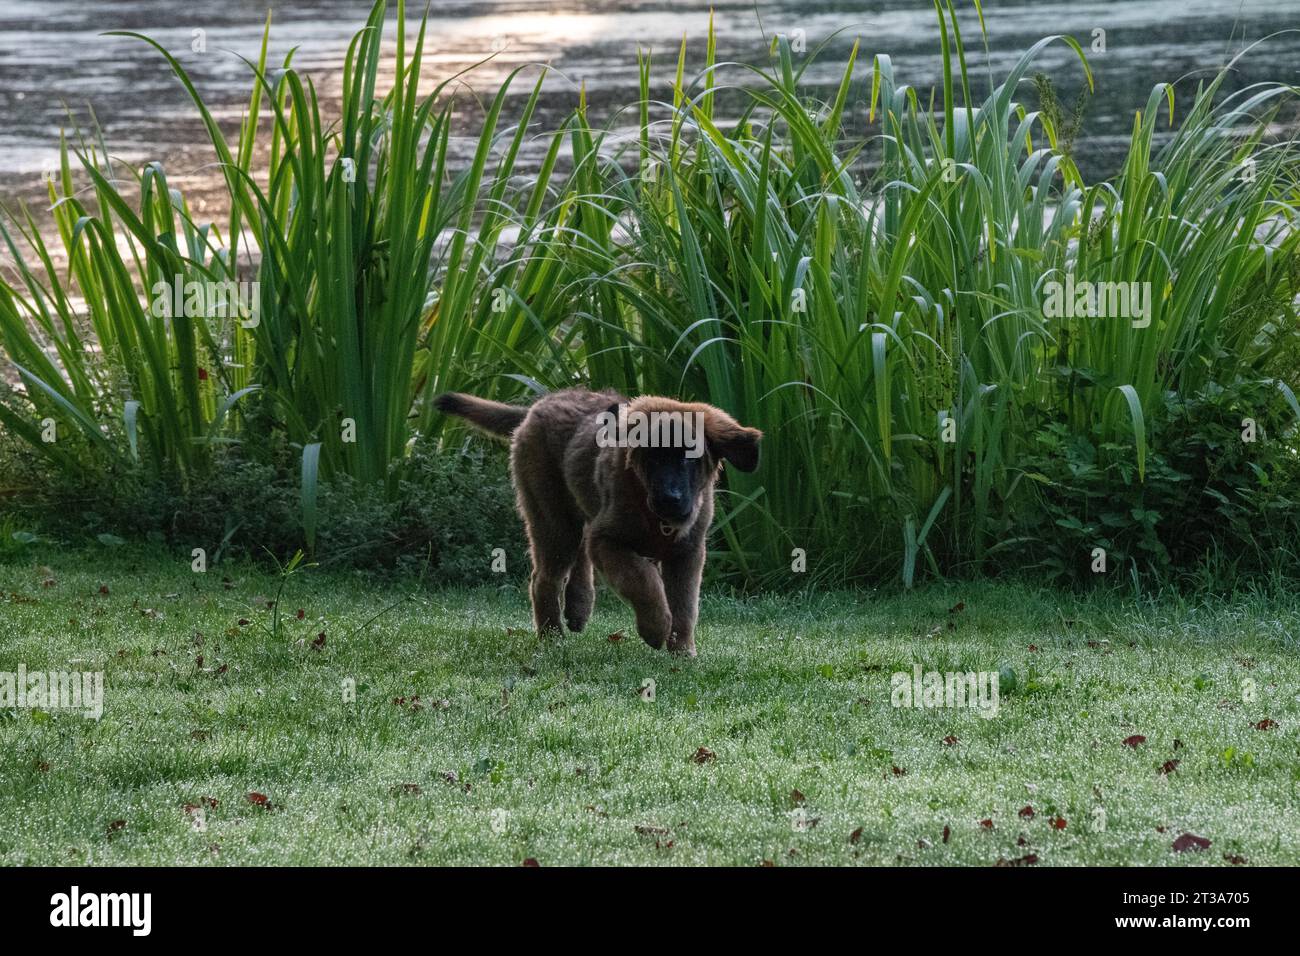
[585, 505]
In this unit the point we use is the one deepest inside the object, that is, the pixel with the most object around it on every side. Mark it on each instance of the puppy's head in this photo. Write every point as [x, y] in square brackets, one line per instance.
[676, 448]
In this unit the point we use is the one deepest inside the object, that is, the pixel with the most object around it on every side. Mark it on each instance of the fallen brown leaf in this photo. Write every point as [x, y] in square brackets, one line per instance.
[1190, 841]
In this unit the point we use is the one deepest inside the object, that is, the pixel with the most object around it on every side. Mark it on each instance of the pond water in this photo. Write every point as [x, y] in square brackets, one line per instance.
[54, 59]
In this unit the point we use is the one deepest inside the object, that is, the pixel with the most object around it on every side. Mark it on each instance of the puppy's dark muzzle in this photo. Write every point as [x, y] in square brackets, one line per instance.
[672, 509]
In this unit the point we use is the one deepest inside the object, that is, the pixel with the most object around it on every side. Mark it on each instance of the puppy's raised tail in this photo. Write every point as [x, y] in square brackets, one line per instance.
[495, 417]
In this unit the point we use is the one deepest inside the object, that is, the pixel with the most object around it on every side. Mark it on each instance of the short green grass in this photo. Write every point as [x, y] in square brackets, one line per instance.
[517, 751]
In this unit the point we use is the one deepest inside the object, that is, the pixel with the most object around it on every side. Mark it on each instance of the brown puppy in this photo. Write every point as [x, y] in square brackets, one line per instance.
[626, 486]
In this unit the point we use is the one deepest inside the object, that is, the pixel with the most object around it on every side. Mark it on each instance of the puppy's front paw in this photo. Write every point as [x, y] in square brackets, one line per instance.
[549, 628]
[655, 628]
[685, 646]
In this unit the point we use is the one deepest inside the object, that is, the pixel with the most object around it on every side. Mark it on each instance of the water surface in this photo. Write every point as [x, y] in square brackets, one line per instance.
[54, 60]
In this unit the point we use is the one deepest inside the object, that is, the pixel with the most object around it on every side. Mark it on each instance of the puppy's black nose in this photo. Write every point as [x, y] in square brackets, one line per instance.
[672, 504]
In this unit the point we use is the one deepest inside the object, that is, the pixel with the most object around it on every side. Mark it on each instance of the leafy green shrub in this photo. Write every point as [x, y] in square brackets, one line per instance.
[1222, 479]
[451, 511]
[459, 507]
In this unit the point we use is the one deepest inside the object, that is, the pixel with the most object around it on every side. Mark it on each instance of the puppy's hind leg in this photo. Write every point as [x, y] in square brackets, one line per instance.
[554, 533]
[580, 593]
[553, 546]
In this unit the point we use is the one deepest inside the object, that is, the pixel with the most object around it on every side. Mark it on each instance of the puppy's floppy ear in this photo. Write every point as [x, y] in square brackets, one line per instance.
[731, 440]
[617, 411]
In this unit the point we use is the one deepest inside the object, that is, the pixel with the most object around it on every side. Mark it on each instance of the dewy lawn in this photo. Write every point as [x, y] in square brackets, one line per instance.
[1122, 727]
